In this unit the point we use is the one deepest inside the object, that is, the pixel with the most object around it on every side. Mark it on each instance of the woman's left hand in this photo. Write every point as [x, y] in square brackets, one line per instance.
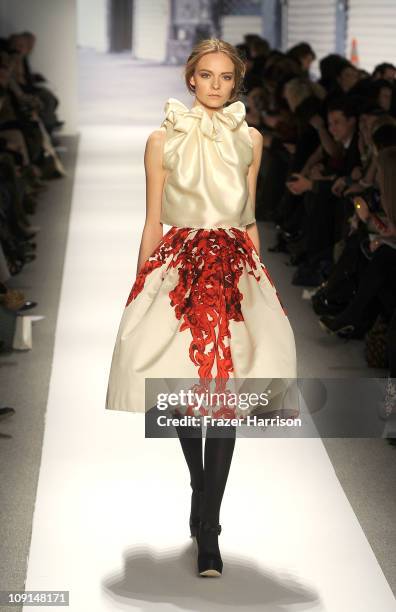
[300, 185]
[374, 244]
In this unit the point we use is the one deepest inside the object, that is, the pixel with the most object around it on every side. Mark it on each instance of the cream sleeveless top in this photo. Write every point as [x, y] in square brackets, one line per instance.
[207, 159]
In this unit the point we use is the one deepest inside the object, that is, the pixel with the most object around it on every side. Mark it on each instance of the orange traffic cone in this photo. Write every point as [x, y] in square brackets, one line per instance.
[354, 53]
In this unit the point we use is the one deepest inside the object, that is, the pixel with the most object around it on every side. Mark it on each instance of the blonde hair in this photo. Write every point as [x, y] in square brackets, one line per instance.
[301, 88]
[215, 45]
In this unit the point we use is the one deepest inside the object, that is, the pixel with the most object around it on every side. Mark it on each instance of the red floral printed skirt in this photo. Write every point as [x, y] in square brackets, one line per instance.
[204, 308]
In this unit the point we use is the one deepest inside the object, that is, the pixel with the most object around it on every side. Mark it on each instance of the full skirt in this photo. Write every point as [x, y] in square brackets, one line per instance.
[203, 308]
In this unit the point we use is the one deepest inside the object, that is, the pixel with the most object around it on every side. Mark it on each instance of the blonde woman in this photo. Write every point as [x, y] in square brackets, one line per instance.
[203, 304]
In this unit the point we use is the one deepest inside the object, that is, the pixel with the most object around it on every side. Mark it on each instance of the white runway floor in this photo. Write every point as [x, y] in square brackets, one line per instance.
[111, 516]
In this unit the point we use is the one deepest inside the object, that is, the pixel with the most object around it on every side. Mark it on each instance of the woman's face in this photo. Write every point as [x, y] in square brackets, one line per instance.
[214, 79]
[389, 74]
[348, 78]
[306, 61]
[18, 43]
[385, 98]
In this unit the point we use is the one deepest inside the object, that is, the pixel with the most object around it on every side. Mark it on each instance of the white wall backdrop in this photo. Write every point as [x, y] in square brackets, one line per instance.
[92, 24]
[150, 29]
[55, 25]
[312, 21]
[235, 26]
[373, 24]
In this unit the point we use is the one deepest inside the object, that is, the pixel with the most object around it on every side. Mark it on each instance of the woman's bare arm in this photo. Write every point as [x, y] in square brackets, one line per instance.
[312, 160]
[369, 177]
[155, 178]
[252, 182]
[328, 143]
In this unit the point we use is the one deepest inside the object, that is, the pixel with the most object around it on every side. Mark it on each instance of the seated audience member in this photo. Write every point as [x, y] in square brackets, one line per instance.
[22, 45]
[378, 282]
[385, 71]
[303, 55]
[324, 209]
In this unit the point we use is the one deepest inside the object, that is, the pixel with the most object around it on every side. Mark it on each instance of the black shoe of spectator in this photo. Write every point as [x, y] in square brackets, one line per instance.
[27, 233]
[24, 249]
[28, 244]
[307, 276]
[340, 327]
[6, 411]
[14, 265]
[27, 306]
[280, 246]
[5, 347]
[297, 258]
[322, 306]
[29, 205]
[25, 255]
[326, 267]
[292, 236]
[39, 185]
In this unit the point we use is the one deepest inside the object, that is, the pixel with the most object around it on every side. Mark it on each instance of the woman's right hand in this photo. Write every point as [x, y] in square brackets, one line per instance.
[317, 122]
[316, 172]
[374, 244]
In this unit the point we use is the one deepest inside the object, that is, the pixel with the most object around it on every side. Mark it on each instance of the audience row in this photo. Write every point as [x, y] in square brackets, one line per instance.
[328, 182]
[28, 159]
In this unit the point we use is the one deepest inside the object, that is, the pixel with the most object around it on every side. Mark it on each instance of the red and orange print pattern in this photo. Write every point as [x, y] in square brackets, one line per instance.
[206, 296]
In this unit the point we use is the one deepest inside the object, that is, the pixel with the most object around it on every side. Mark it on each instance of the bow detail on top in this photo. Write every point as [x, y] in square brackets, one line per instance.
[182, 118]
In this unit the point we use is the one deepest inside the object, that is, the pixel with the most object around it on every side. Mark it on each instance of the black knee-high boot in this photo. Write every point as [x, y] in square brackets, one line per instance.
[219, 448]
[191, 443]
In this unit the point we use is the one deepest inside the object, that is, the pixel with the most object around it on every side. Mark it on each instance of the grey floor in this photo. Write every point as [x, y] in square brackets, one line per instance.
[365, 467]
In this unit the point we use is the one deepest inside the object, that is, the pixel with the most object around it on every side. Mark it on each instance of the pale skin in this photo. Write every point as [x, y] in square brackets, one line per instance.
[363, 212]
[213, 76]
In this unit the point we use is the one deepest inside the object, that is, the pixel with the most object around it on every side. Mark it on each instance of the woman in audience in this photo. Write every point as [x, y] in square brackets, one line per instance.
[303, 55]
[379, 279]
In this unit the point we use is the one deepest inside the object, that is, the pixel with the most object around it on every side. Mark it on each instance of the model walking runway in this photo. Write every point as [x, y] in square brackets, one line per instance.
[111, 515]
